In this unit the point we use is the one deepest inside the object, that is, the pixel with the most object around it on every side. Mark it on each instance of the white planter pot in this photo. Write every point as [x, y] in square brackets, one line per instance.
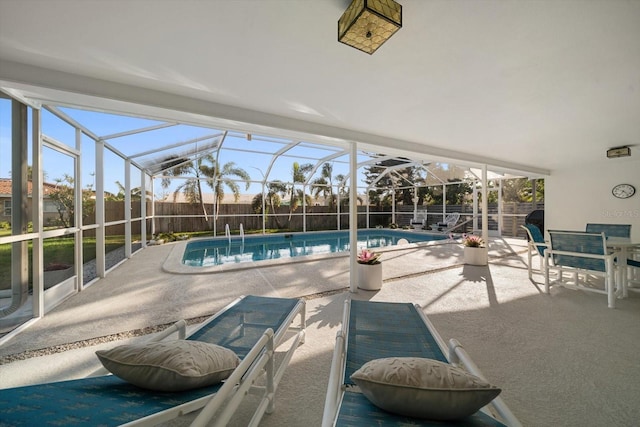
[475, 256]
[370, 276]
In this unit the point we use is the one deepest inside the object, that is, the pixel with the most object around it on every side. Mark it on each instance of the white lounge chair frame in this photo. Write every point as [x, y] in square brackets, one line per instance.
[447, 224]
[258, 363]
[455, 353]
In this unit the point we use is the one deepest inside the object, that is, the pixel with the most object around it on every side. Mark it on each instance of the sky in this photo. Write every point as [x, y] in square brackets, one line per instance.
[56, 164]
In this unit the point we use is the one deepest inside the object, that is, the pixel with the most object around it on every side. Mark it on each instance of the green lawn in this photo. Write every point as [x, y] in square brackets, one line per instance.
[60, 251]
[56, 251]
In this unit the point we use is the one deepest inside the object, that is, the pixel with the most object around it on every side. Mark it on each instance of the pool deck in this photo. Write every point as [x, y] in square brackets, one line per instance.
[561, 359]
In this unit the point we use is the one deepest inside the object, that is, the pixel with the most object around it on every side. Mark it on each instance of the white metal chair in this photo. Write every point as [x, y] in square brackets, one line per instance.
[447, 224]
[536, 245]
[580, 253]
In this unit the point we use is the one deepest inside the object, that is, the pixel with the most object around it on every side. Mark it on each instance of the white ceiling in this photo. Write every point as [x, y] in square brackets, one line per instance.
[528, 85]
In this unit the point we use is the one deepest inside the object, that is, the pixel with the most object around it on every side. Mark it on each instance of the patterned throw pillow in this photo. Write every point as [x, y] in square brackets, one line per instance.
[170, 365]
[423, 388]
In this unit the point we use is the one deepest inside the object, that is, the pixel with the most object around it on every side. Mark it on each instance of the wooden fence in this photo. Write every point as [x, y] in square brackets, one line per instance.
[186, 217]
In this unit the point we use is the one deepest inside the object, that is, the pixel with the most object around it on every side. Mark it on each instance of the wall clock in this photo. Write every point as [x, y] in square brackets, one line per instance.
[623, 191]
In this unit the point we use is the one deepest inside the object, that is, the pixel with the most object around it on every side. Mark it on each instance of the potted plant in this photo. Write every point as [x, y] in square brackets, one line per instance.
[369, 270]
[475, 251]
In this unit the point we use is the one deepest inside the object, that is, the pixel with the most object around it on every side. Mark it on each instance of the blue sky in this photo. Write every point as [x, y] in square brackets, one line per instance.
[55, 165]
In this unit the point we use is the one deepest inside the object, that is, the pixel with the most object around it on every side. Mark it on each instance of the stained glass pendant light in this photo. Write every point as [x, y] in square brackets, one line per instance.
[367, 24]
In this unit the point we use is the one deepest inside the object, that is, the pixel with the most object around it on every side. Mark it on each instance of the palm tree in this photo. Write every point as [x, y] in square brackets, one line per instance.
[272, 197]
[135, 193]
[298, 175]
[323, 185]
[204, 168]
[343, 191]
[191, 188]
[221, 177]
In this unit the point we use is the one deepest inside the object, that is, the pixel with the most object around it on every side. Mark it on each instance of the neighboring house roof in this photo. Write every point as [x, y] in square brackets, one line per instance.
[5, 187]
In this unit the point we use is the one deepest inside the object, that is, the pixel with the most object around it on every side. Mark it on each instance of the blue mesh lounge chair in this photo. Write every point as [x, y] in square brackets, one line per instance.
[580, 253]
[374, 330]
[251, 326]
[536, 245]
[610, 230]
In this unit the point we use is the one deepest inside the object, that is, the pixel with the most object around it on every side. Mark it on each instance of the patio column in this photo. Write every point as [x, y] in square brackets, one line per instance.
[338, 211]
[36, 215]
[100, 252]
[393, 205]
[368, 210]
[485, 207]
[353, 218]
[304, 208]
[143, 207]
[79, 235]
[127, 208]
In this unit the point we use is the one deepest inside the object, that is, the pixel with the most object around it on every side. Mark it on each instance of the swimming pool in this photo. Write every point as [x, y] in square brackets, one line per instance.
[219, 251]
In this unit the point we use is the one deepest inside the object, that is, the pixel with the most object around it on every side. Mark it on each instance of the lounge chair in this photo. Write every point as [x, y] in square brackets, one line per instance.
[377, 330]
[419, 221]
[536, 244]
[251, 326]
[447, 224]
[580, 253]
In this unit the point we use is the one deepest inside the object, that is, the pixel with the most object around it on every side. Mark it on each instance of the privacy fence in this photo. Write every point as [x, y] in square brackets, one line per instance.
[185, 217]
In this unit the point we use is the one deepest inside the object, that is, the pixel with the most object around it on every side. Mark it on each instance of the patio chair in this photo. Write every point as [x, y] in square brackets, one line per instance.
[536, 245]
[253, 327]
[376, 330]
[419, 221]
[634, 273]
[449, 223]
[610, 230]
[580, 253]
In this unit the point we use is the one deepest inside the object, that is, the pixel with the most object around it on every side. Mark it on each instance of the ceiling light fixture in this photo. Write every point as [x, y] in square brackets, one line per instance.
[616, 152]
[367, 24]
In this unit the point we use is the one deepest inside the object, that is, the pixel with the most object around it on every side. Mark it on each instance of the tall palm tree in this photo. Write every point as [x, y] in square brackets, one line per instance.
[135, 193]
[298, 176]
[272, 200]
[204, 168]
[221, 177]
[323, 185]
[191, 188]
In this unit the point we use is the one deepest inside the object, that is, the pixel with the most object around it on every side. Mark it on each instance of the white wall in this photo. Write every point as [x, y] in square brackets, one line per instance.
[582, 194]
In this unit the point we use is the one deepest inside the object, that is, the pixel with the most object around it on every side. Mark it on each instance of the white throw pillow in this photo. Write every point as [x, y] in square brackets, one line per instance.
[170, 365]
[423, 388]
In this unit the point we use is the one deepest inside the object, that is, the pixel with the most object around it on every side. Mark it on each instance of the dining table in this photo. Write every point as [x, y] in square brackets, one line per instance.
[621, 246]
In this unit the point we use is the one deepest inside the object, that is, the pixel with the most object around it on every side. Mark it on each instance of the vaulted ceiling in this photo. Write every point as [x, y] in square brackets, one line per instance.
[523, 85]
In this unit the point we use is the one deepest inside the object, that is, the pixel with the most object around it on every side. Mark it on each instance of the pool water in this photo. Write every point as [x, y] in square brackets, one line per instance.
[219, 251]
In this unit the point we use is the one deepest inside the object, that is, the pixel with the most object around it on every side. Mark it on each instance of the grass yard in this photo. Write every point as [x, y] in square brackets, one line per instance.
[59, 250]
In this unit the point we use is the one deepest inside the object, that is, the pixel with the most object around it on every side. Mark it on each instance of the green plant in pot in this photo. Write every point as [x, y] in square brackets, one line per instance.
[369, 270]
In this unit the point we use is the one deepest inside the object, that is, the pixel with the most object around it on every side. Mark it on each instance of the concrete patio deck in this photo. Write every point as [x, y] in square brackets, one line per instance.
[561, 359]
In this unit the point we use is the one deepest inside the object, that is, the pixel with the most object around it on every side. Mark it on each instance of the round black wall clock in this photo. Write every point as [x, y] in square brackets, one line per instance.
[623, 191]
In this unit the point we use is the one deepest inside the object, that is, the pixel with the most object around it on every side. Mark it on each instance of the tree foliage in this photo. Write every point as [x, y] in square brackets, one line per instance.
[206, 169]
[64, 198]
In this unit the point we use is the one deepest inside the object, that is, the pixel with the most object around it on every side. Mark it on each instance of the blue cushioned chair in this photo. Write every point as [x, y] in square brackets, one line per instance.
[251, 326]
[536, 245]
[374, 330]
[610, 230]
[580, 253]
